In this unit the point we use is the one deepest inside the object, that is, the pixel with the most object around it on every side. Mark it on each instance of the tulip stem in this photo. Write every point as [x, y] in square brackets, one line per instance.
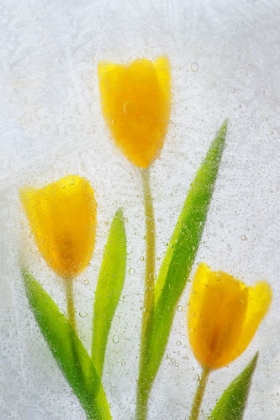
[70, 303]
[150, 249]
[143, 387]
[73, 337]
[199, 394]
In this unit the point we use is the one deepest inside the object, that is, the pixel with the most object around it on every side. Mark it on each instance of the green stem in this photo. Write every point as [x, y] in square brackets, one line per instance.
[143, 387]
[68, 282]
[150, 250]
[70, 303]
[199, 394]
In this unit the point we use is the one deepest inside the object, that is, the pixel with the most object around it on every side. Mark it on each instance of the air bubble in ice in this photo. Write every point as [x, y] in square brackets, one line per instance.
[194, 67]
[115, 338]
[130, 107]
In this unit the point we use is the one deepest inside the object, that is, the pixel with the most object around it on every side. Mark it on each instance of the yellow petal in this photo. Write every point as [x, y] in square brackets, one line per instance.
[135, 102]
[62, 217]
[223, 316]
[259, 300]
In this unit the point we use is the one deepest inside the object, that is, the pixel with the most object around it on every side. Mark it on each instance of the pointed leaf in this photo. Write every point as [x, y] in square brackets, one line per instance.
[109, 288]
[68, 351]
[232, 403]
[181, 252]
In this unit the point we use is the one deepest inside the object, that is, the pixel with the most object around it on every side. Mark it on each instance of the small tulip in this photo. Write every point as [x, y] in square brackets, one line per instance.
[62, 217]
[223, 316]
[135, 101]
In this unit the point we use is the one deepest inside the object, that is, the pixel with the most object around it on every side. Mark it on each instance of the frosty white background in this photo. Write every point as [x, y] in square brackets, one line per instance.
[225, 58]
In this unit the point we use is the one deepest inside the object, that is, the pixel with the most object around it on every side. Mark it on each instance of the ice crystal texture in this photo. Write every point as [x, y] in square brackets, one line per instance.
[225, 61]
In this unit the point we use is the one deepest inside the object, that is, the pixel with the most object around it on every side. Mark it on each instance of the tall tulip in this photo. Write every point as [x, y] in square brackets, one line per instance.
[136, 102]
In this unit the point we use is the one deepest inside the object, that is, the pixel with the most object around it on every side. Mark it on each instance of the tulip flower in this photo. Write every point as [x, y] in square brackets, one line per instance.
[223, 316]
[136, 105]
[135, 101]
[62, 217]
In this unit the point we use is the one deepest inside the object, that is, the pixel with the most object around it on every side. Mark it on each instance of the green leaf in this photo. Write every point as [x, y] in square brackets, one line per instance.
[181, 252]
[109, 288]
[68, 351]
[232, 403]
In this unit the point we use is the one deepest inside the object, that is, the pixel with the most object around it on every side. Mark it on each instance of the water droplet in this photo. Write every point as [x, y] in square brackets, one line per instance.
[173, 360]
[123, 362]
[122, 406]
[152, 276]
[131, 271]
[86, 282]
[142, 258]
[115, 338]
[194, 67]
[218, 277]
[188, 303]
[158, 258]
[243, 237]
[144, 237]
[180, 308]
[136, 215]
[130, 107]
[178, 343]
[83, 314]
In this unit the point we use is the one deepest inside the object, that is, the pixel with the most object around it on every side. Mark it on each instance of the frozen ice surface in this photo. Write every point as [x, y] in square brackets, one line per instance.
[225, 59]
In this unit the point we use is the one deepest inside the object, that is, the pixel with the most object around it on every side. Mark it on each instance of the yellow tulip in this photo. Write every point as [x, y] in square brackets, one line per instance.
[135, 101]
[223, 316]
[62, 217]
